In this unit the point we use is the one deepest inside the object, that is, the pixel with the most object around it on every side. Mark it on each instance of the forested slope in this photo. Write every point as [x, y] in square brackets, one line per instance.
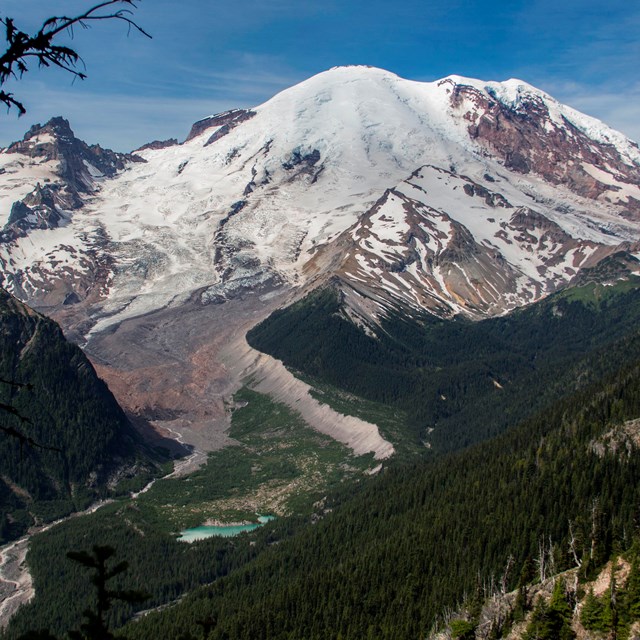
[459, 381]
[81, 441]
[383, 557]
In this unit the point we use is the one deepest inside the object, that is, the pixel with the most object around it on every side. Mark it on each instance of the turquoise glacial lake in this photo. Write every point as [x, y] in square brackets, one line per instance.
[225, 531]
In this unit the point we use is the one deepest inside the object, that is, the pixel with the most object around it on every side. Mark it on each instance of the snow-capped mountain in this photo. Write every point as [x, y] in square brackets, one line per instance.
[455, 197]
[441, 241]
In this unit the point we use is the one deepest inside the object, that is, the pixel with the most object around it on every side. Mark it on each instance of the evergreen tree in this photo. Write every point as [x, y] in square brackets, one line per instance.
[540, 626]
[521, 605]
[462, 629]
[591, 612]
[552, 621]
[632, 595]
[560, 612]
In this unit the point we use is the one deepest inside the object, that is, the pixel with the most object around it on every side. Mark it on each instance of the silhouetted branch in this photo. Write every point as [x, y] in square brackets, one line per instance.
[95, 627]
[22, 46]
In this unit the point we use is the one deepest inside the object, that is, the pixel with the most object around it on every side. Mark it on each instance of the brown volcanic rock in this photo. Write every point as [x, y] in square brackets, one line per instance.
[56, 141]
[59, 296]
[165, 367]
[434, 263]
[78, 164]
[227, 120]
[536, 230]
[158, 144]
[528, 139]
[491, 198]
[413, 249]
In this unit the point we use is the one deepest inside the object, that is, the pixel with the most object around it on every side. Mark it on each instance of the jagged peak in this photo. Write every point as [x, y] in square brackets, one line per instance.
[56, 133]
[57, 126]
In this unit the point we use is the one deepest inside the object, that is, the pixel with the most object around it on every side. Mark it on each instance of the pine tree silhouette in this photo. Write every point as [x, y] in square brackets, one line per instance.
[95, 627]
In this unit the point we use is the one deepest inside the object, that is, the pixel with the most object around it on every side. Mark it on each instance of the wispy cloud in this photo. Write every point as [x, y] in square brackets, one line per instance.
[207, 57]
[134, 112]
[247, 76]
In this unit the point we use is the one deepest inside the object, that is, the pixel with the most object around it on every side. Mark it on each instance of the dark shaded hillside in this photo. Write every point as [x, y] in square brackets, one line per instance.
[66, 407]
[384, 562]
[383, 557]
[459, 381]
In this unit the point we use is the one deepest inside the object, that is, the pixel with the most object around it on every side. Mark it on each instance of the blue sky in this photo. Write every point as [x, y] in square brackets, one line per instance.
[206, 57]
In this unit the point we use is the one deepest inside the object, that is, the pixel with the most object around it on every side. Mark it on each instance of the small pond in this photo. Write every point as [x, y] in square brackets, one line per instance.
[225, 531]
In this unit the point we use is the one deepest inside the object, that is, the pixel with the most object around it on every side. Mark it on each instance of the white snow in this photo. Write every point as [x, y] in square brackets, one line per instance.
[94, 172]
[41, 138]
[390, 224]
[621, 191]
[21, 174]
[512, 92]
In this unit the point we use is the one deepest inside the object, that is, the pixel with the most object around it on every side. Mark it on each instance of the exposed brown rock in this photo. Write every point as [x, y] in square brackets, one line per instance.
[158, 144]
[528, 140]
[230, 119]
[78, 165]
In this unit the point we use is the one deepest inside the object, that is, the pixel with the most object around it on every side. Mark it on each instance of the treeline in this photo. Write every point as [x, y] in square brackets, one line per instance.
[461, 382]
[385, 562]
[77, 434]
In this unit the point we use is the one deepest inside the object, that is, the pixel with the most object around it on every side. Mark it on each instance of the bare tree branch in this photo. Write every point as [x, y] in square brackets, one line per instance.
[13, 432]
[18, 385]
[22, 46]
